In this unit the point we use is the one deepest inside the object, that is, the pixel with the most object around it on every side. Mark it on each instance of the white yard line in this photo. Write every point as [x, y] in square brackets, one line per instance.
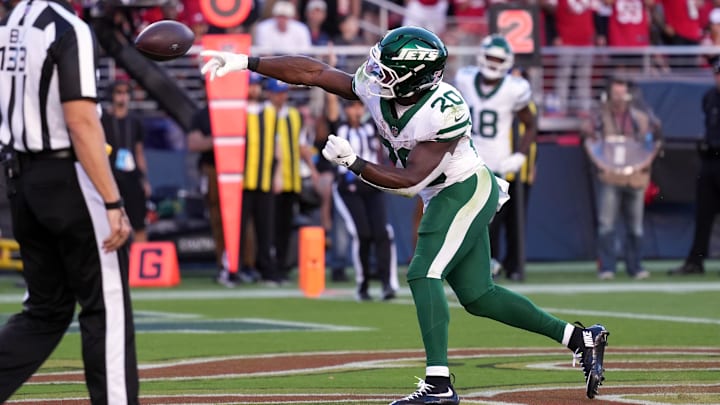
[333, 293]
[609, 314]
[630, 315]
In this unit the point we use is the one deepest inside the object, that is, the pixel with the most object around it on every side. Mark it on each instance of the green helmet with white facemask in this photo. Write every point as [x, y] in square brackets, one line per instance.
[406, 61]
[496, 57]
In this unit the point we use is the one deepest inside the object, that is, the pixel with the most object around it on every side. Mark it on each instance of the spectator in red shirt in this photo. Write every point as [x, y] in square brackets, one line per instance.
[470, 19]
[575, 26]
[629, 25]
[680, 21]
[705, 9]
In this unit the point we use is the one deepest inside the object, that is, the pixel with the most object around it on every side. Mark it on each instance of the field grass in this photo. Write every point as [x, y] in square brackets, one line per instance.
[663, 319]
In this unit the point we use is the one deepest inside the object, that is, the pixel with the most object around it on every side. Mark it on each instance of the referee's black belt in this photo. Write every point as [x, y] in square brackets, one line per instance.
[58, 154]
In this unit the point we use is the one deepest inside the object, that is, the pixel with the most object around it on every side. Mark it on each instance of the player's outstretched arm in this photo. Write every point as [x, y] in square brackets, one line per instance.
[294, 69]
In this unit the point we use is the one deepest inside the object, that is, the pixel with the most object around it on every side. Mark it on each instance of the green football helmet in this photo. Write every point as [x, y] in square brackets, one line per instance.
[496, 57]
[406, 61]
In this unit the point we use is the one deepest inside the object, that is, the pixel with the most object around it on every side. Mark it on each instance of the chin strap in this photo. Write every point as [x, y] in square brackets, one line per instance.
[412, 191]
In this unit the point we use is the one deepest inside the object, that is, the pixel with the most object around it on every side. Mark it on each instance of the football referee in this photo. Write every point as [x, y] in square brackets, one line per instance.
[67, 213]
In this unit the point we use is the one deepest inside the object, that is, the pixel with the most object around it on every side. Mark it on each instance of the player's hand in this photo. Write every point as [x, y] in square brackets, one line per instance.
[339, 151]
[512, 163]
[222, 63]
[119, 230]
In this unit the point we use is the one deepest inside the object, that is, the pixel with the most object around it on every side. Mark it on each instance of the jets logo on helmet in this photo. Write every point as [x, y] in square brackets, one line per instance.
[406, 61]
[496, 57]
[417, 54]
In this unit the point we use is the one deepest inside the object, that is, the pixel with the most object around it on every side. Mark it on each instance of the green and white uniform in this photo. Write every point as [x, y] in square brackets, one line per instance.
[466, 185]
[441, 115]
[493, 110]
[452, 239]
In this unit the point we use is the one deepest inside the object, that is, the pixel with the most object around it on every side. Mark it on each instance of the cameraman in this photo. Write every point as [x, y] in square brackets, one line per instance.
[621, 193]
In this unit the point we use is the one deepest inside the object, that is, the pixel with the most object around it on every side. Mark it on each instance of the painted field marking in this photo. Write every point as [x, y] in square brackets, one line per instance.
[346, 360]
[606, 314]
[563, 393]
[348, 293]
[637, 365]
[468, 398]
[630, 315]
[175, 322]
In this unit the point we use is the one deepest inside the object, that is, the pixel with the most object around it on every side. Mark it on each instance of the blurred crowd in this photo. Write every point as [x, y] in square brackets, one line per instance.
[615, 23]
[563, 22]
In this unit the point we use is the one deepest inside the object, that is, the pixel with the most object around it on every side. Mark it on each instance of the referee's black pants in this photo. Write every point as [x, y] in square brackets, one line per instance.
[707, 206]
[258, 207]
[363, 210]
[60, 221]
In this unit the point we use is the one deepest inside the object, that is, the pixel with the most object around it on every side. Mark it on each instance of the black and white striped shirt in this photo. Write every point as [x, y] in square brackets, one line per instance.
[47, 57]
[363, 141]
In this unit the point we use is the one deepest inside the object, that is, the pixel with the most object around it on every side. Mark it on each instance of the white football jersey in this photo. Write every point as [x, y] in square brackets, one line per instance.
[492, 111]
[441, 115]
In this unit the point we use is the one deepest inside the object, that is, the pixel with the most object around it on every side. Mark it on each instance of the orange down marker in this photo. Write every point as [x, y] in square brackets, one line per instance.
[227, 99]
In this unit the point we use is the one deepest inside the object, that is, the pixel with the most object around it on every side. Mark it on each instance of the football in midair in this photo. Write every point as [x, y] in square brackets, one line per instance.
[164, 40]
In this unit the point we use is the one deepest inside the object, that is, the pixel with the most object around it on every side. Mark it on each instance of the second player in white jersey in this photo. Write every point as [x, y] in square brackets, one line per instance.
[493, 109]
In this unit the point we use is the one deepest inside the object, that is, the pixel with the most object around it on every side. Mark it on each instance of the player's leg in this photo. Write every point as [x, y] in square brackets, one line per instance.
[445, 236]
[476, 291]
[473, 285]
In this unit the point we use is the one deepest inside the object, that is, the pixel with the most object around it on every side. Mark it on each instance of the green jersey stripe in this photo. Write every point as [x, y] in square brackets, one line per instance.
[454, 127]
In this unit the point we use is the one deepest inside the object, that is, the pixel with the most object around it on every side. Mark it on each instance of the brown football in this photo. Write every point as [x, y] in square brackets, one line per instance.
[164, 40]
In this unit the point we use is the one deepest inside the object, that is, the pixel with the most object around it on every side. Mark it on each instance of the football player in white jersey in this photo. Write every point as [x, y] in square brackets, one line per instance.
[425, 125]
[496, 98]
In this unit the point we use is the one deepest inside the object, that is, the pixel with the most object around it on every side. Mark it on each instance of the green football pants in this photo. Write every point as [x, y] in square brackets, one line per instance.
[453, 244]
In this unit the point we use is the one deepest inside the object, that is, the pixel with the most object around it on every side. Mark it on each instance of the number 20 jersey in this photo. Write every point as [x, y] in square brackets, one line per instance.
[441, 115]
[493, 112]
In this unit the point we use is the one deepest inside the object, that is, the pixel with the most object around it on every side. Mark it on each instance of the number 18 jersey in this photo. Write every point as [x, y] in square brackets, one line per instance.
[441, 115]
[493, 111]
